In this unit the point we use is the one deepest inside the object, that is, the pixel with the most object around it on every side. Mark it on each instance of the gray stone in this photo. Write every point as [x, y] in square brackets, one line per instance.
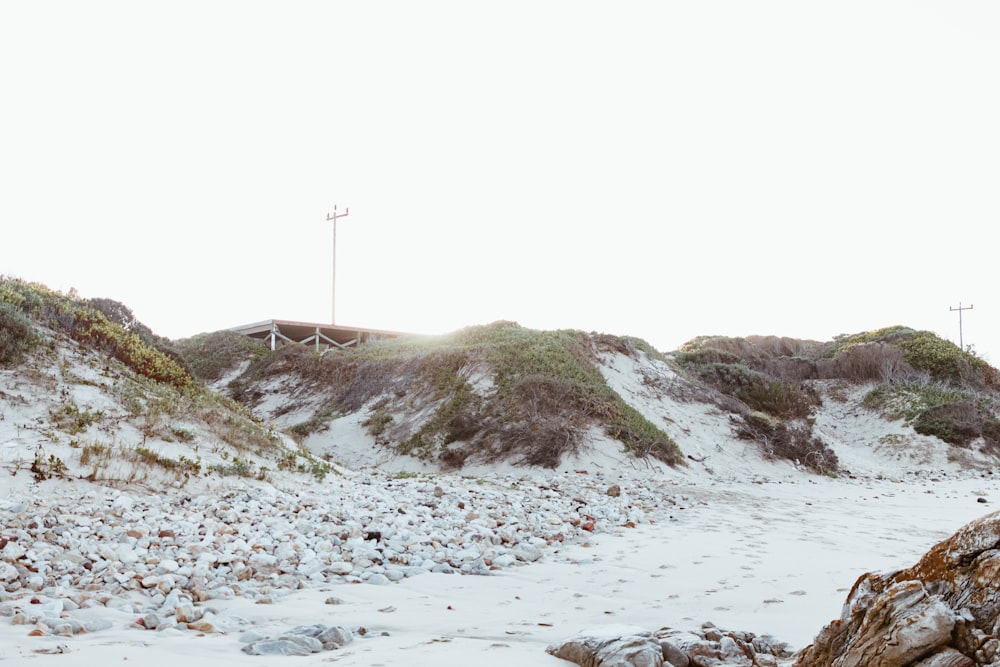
[276, 647]
[638, 649]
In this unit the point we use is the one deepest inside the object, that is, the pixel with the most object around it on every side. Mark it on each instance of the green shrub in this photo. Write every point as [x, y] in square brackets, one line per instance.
[891, 335]
[211, 355]
[955, 423]
[757, 390]
[92, 327]
[946, 362]
[17, 335]
[955, 416]
[908, 400]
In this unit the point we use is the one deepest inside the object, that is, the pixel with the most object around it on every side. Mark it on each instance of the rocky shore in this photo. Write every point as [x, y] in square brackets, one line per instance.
[163, 557]
[368, 563]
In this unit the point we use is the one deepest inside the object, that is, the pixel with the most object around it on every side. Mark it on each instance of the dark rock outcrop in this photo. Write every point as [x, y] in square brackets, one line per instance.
[942, 612]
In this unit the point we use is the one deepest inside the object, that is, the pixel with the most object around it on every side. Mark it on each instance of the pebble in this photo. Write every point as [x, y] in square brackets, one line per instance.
[165, 557]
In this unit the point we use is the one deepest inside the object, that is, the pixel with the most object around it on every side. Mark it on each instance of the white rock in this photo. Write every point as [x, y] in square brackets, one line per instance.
[504, 560]
[527, 552]
[341, 567]
[169, 565]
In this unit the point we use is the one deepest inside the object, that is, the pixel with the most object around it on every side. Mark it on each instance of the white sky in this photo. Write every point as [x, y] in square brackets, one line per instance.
[656, 169]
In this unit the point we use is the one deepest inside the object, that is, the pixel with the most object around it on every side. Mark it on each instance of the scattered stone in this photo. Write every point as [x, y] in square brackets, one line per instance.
[164, 558]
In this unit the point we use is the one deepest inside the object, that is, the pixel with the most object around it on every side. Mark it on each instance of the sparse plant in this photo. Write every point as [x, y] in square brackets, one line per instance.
[71, 419]
[318, 423]
[92, 451]
[406, 474]
[236, 468]
[318, 469]
[182, 434]
[46, 468]
[377, 422]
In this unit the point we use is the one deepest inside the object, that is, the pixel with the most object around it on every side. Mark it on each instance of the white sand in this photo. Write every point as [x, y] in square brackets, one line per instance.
[773, 558]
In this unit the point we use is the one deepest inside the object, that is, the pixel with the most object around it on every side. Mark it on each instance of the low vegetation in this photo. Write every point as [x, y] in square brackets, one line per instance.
[767, 379]
[953, 414]
[928, 382]
[96, 348]
[91, 327]
[17, 336]
[210, 356]
[486, 393]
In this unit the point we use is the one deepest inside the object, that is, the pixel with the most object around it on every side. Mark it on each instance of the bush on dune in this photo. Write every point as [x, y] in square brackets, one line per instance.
[92, 327]
[17, 336]
[488, 393]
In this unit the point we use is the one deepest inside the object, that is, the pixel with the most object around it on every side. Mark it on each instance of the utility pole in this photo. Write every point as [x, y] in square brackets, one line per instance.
[961, 343]
[333, 295]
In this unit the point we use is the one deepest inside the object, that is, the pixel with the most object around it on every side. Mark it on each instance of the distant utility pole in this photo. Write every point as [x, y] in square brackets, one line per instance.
[961, 343]
[333, 297]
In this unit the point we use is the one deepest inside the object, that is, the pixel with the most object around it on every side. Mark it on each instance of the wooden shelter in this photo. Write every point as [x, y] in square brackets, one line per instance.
[323, 336]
